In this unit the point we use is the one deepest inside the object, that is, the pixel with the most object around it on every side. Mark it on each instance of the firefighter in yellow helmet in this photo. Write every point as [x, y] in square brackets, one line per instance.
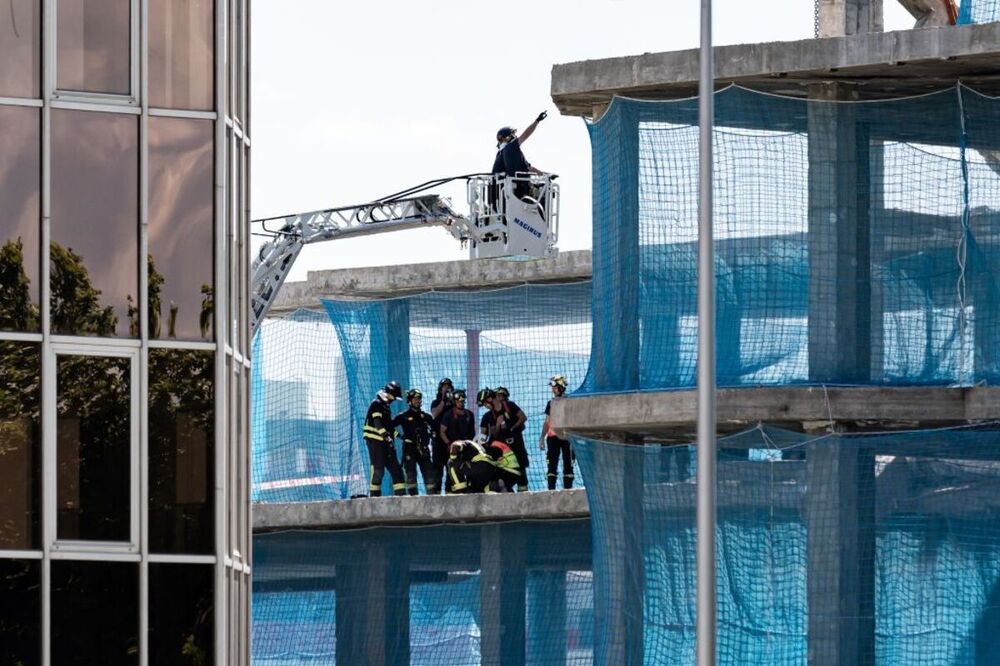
[557, 446]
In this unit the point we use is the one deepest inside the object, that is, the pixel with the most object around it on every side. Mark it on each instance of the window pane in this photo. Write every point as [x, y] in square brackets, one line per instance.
[20, 224]
[181, 247]
[95, 613]
[93, 441]
[94, 48]
[95, 223]
[20, 446]
[181, 614]
[181, 451]
[21, 612]
[20, 48]
[181, 35]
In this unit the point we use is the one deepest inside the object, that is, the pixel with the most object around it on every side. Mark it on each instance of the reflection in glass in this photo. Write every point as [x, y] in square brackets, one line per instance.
[94, 48]
[21, 612]
[181, 445]
[180, 54]
[181, 614]
[93, 441]
[20, 48]
[95, 229]
[181, 249]
[20, 445]
[20, 224]
[95, 613]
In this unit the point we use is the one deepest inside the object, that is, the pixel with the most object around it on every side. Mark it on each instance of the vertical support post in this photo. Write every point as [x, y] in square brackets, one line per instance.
[839, 240]
[397, 337]
[397, 358]
[619, 593]
[706, 513]
[840, 552]
[472, 370]
[546, 625]
[502, 596]
[617, 263]
[838, 18]
[373, 607]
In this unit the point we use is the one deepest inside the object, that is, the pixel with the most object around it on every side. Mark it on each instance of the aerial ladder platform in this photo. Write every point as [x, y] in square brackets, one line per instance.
[499, 224]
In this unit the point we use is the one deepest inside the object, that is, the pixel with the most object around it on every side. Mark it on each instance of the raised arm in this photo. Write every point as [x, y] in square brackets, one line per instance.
[530, 129]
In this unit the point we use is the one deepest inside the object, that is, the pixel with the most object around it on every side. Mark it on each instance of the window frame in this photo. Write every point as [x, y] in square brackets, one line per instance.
[51, 53]
[80, 547]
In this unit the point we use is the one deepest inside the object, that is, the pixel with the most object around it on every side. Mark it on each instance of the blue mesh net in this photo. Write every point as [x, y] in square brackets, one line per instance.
[315, 374]
[853, 241]
[438, 595]
[835, 549]
[978, 11]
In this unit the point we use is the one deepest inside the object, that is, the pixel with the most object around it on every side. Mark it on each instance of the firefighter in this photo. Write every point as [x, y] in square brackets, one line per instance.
[508, 427]
[378, 435]
[508, 470]
[556, 445]
[457, 423]
[443, 402]
[471, 468]
[485, 399]
[417, 432]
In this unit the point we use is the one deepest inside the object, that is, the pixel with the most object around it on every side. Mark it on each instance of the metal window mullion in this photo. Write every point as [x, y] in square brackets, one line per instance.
[182, 113]
[21, 101]
[182, 344]
[47, 369]
[16, 336]
[140, 84]
[219, 289]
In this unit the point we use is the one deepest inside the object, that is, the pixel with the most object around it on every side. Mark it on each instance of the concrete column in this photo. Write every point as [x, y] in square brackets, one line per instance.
[619, 593]
[397, 338]
[839, 240]
[502, 596]
[397, 361]
[472, 371]
[373, 607]
[838, 18]
[840, 553]
[547, 617]
[616, 261]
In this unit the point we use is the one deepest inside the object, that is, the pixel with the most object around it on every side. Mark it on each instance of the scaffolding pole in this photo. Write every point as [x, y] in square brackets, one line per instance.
[706, 623]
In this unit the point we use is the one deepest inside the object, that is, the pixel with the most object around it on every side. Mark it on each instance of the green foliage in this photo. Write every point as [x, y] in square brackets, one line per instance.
[18, 312]
[75, 303]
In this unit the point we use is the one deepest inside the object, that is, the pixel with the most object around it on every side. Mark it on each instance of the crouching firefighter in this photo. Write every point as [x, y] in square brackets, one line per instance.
[508, 469]
[471, 468]
[380, 439]
[417, 428]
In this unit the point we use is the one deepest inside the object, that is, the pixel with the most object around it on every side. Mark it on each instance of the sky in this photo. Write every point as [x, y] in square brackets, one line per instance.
[352, 101]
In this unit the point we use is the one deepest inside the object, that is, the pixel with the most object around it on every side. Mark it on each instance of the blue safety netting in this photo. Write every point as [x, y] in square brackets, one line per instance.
[436, 595]
[978, 11]
[855, 242]
[315, 374]
[878, 549]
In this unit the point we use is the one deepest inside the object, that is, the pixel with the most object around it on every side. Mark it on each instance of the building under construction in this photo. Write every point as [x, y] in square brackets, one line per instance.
[857, 244]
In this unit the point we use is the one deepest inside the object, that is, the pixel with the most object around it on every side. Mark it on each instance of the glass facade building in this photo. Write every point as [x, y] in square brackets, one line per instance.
[124, 348]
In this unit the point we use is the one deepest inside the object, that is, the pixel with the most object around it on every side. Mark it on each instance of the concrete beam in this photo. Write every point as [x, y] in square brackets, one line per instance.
[406, 279]
[671, 415]
[379, 511]
[849, 17]
[882, 64]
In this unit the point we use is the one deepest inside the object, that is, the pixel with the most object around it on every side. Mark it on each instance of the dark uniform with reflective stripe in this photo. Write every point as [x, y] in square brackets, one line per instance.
[471, 468]
[439, 447]
[556, 446]
[458, 424]
[508, 468]
[379, 438]
[417, 428]
[513, 436]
